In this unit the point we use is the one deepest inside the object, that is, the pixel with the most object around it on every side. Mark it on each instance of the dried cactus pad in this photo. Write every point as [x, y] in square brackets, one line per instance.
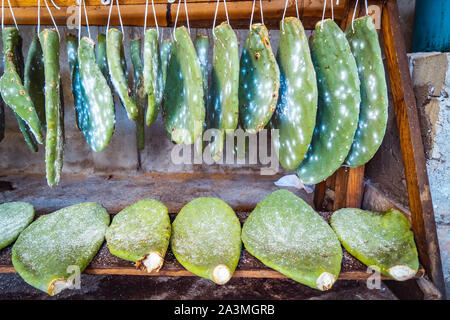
[206, 239]
[378, 239]
[286, 234]
[14, 217]
[48, 253]
[141, 233]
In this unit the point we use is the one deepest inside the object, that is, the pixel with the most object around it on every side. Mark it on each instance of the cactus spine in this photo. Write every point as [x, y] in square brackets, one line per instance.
[98, 126]
[259, 80]
[295, 115]
[13, 92]
[223, 105]
[153, 81]
[338, 109]
[114, 53]
[54, 143]
[373, 112]
[139, 91]
[183, 106]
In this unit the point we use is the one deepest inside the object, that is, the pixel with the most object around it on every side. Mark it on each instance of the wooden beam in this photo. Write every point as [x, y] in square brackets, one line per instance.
[201, 12]
[422, 214]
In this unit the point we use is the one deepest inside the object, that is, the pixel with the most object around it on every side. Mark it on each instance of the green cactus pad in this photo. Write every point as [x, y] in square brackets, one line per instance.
[54, 112]
[202, 46]
[117, 72]
[139, 93]
[47, 252]
[373, 114]
[165, 51]
[206, 239]
[286, 234]
[27, 134]
[34, 78]
[141, 233]
[183, 106]
[98, 126]
[380, 240]
[13, 92]
[338, 103]
[100, 56]
[222, 110]
[14, 218]
[152, 75]
[295, 115]
[259, 80]
[2, 119]
[81, 111]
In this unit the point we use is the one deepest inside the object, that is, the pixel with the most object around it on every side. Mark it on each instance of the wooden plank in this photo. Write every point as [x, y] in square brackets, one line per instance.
[422, 214]
[248, 267]
[201, 13]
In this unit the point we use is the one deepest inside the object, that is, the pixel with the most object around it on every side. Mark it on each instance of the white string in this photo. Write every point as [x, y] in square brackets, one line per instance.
[323, 13]
[82, 3]
[284, 14]
[87, 21]
[176, 19]
[145, 16]
[51, 15]
[296, 9]
[261, 8]
[109, 15]
[332, 11]
[251, 17]
[154, 16]
[367, 10]
[215, 15]
[354, 13]
[12, 14]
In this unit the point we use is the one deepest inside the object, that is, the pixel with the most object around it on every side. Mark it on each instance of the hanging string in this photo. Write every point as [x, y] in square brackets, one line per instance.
[145, 15]
[323, 13]
[12, 14]
[109, 15]
[176, 19]
[154, 16]
[332, 10]
[215, 15]
[38, 16]
[354, 13]
[81, 2]
[51, 15]
[367, 10]
[284, 13]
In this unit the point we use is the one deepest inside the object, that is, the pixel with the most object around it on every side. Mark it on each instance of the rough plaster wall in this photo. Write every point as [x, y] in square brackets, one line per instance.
[431, 80]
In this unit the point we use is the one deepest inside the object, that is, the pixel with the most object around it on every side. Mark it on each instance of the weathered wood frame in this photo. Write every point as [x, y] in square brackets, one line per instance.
[347, 183]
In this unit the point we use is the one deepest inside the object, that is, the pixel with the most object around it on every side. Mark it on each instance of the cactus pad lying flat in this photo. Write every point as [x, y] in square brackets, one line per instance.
[14, 217]
[183, 105]
[286, 234]
[152, 75]
[377, 239]
[259, 80]
[47, 252]
[338, 107]
[373, 115]
[206, 239]
[141, 233]
[223, 106]
[295, 115]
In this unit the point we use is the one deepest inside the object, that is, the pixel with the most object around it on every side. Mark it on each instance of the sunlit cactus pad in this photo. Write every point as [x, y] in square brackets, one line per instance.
[206, 239]
[380, 240]
[286, 234]
[54, 249]
[141, 233]
[14, 217]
